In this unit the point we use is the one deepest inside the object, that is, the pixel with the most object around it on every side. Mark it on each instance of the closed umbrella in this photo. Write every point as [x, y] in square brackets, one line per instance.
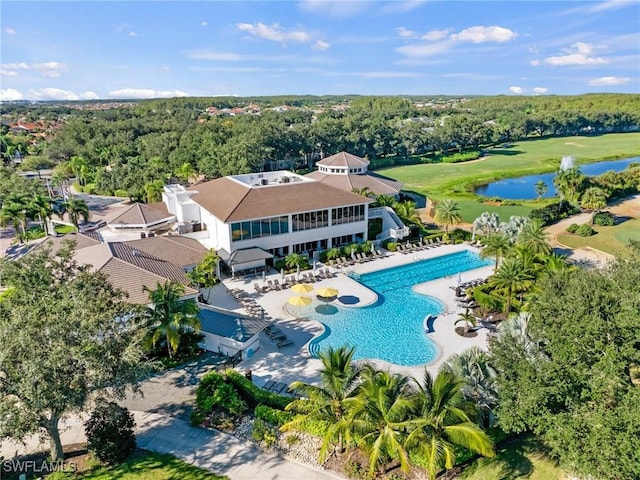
[302, 288]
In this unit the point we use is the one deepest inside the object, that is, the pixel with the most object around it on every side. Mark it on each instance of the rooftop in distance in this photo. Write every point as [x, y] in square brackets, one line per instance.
[269, 179]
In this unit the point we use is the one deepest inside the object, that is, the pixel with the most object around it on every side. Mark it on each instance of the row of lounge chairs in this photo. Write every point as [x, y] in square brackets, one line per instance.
[356, 258]
[422, 245]
[288, 282]
[249, 304]
[278, 336]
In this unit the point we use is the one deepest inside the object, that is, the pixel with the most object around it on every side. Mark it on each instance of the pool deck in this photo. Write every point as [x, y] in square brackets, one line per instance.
[295, 363]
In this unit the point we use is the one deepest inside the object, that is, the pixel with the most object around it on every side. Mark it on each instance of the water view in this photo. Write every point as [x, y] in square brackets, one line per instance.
[523, 188]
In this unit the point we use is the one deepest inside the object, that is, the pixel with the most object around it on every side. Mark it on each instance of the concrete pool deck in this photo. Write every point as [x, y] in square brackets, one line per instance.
[295, 363]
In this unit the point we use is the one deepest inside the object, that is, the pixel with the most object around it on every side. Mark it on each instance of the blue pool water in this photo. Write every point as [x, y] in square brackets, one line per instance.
[393, 328]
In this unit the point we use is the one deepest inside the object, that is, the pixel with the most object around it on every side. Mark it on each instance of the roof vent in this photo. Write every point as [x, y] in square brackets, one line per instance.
[285, 179]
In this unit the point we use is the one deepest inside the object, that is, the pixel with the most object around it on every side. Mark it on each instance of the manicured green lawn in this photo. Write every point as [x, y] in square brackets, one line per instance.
[523, 457]
[64, 229]
[471, 209]
[446, 180]
[145, 466]
[612, 239]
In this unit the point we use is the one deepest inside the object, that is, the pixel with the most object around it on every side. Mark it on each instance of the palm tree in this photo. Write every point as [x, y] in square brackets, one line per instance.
[570, 183]
[407, 212]
[15, 210]
[594, 199]
[328, 402]
[440, 422]
[515, 330]
[480, 387]
[496, 245]
[511, 277]
[153, 191]
[447, 214]
[533, 237]
[76, 208]
[364, 191]
[169, 316]
[541, 188]
[468, 319]
[385, 201]
[486, 224]
[378, 417]
[41, 206]
[185, 172]
[80, 169]
[204, 274]
[295, 260]
[333, 253]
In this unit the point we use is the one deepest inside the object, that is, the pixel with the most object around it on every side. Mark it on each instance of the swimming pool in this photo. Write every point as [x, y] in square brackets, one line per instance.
[392, 329]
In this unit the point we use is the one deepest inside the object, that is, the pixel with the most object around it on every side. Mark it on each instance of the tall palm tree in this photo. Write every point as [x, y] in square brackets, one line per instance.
[15, 210]
[407, 212]
[479, 376]
[340, 377]
[185, 172]
[204, 274]
[497, 245]
[153, 191]
[511, 277]
[385, 201]
[467, 319]
[76, 208]
[570, 184]
[169, 316]
[41, 206]
[378, 417]
[364, 191]
[534, 238]
[441, 422]
[295, 260]
[594, 199]
[515, 330]
[447, 214]
[541, 188]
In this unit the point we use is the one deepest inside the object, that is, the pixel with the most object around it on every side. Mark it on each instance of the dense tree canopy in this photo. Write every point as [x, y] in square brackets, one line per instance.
[570, 378]
[61, 340]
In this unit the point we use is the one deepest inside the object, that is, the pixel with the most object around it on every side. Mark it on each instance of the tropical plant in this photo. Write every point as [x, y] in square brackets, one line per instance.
[15, 211]
[76, 208]
[496, 245]
[407, 212]
[295, 260]
[385, 201]
[185, 172]
[511, 277]
[168, 316]
[440, 422]
[467, 319]
[486, 224]
[570, 183]
[41, 206]
[447, 214]
[541, 188]
[593, 199]
[339, 379]
[480, 387]
[533, 237]
[204, 274]
[378, 417]
[153, 191]
[333, 253]
[364, 191]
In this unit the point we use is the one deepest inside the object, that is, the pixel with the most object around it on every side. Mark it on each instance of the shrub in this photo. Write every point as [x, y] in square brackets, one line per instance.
[603, 218]
[254, 395]
[353, 469]
[392, 246]
[317, 428]
[272, 416]
[585, 230]
[197, 417]
[461, 157]
[488, 302]
[292, 439]
[121, 193]
[572, 228]
[263, 433]
[214, 391]
[553, 212]
[110, 434]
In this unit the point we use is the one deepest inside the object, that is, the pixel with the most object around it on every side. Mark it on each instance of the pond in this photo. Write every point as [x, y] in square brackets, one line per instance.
[523, 188]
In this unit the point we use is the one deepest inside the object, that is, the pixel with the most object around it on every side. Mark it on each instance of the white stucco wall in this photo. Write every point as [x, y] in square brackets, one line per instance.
[228, 346]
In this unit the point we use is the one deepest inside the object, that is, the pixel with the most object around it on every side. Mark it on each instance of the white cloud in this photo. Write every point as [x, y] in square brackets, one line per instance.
[332, 8]
[425, 49]
[49, 69]
[9, 31]
[578, 54]
[8, 73]
[15, 66]
[9, 95]
[480, 34]
[52, 94]
[516, 90]
[235, 57]
[321, 45]
[133, 34]
[610, 5]
[406, 33]
[275, 33]
[401, 7]
[89, 95]
[392, 74]
[146, 93]
[434, 35]
[534, 63]
[608, 81]
[204, 24]
[540, 90]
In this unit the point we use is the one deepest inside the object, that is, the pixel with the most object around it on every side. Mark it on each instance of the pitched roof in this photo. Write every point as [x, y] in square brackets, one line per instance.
[233, 326]
[139, 214]
[148, 262]
[377, 185]
[231, 201]
[178, 250]
[82, 240]
[343, 159]
[244, 255]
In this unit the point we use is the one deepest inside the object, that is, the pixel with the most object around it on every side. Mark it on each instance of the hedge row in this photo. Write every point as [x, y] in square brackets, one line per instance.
[272, 416]
[254, 395]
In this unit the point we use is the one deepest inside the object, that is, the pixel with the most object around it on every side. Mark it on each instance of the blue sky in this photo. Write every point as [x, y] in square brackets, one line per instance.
[87, 50]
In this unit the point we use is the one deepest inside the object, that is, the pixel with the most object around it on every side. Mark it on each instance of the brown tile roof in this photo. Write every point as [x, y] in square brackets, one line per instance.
[82, 240]
[231, 201]
[377, 185]
[132, 280]
[343, 159]
[148, 262]
[138, 214]
[181, 251]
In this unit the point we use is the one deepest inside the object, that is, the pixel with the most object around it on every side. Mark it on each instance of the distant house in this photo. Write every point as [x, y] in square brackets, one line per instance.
[140, 217]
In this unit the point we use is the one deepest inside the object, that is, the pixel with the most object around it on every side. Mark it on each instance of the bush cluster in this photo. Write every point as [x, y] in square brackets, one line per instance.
[554, 212]
[604, 219]
[109, 432]
[573, 228]
[272, 416]
[585, 230]
[214, 392]
[460, 157]
[264, 433]
[254, 395]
